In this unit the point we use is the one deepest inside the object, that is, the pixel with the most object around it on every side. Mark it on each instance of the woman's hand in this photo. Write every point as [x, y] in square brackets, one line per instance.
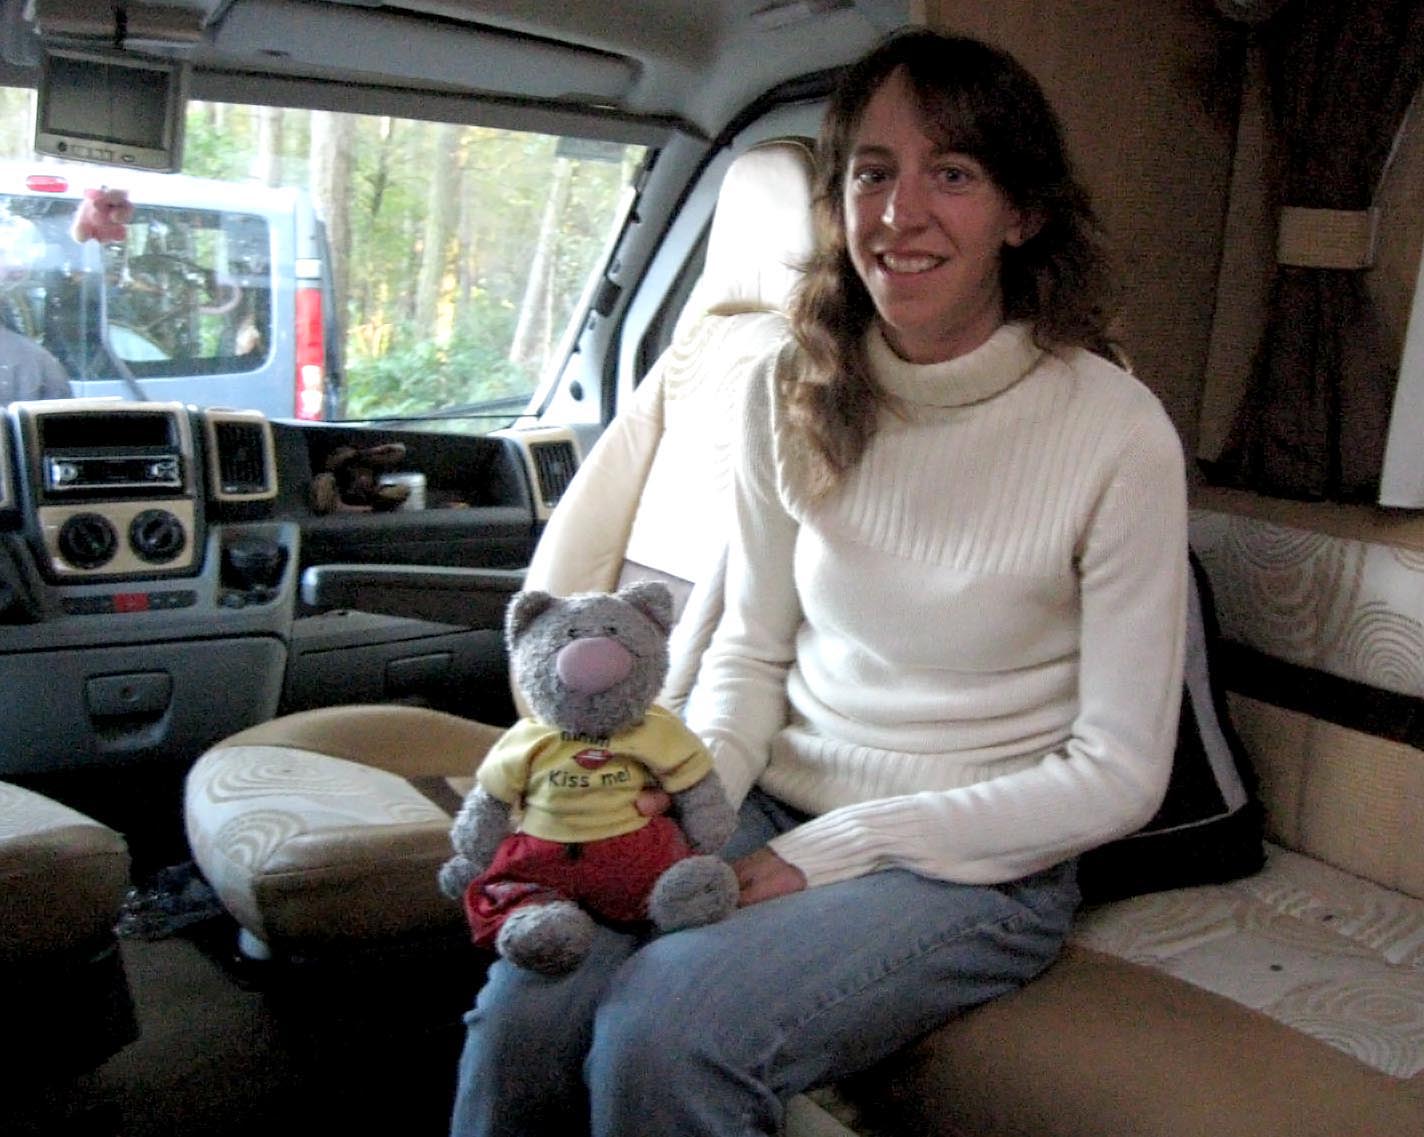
[763, 875]
[651, 803]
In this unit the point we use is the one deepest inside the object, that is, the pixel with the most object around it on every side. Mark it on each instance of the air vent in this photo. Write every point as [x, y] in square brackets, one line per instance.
[554, 465]
[240, 461]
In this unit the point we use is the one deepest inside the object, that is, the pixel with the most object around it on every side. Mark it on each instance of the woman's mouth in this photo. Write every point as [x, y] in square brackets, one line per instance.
[909, 263]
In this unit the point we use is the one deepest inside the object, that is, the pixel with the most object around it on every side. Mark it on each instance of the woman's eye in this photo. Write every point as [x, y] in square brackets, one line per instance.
[869, 176]
[958, 172]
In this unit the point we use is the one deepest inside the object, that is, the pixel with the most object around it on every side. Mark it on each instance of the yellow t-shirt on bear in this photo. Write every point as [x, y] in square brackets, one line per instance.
[574, 788]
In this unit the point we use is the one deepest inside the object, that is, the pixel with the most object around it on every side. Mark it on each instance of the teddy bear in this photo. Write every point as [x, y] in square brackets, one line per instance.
[103, 215]
[352, 479]
[589, 666]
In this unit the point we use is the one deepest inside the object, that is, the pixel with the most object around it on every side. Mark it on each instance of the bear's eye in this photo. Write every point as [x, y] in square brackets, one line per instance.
[573, 633]
[611, 629]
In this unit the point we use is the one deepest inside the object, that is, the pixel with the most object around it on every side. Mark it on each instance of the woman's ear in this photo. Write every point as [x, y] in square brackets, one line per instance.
[1024, 228]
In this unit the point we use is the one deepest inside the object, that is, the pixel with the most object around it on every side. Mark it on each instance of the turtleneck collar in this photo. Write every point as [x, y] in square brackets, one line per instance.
[990, 369]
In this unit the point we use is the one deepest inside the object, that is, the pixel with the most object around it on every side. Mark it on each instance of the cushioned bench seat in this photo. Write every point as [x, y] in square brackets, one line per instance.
[328, 826]
[1287, 1003]
[1101, 1047]
[1323, 951]
[63, 877]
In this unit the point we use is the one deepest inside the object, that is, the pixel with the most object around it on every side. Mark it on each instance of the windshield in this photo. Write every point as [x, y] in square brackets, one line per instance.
[308, 264]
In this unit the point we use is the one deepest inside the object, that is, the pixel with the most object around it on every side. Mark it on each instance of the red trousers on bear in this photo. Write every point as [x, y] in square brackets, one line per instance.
[610, 878]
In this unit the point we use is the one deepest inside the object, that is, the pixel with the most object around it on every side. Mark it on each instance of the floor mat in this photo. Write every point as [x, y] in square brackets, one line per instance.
[167, 902]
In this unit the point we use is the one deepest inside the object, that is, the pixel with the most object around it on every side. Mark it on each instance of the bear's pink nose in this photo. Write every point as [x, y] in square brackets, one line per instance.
[594, 664]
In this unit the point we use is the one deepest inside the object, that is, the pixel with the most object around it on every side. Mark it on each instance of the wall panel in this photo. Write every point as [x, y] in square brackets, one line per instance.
[1148, 96]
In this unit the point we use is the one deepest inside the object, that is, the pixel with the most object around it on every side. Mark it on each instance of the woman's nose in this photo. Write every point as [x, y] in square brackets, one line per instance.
[904, 205]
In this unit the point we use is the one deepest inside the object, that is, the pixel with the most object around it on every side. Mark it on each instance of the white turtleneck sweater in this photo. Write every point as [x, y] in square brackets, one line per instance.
[967, 660]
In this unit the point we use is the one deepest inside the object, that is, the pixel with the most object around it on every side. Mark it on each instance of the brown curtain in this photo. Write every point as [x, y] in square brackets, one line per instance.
[1315, 418]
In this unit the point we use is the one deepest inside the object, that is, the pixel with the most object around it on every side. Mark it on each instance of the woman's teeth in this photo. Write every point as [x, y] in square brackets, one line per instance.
[897, 262]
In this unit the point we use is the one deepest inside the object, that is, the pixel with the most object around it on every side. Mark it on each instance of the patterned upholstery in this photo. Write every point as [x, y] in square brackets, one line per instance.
[1324, 672]
[1325, 952]
[329, 825]
[1347, 605]
[1329, 629]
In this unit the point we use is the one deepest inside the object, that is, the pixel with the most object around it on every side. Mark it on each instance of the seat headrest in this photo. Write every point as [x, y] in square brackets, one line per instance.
[761, 233]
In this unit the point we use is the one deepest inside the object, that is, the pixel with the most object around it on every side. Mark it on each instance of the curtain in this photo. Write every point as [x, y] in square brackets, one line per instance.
[1315, 417]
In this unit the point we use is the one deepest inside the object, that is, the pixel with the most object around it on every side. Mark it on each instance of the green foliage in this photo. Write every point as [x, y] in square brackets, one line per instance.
[414, 373]
[209, 151]
[394, 367]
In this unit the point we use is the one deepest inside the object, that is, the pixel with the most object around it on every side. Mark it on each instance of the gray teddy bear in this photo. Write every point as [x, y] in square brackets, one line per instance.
[550, 836]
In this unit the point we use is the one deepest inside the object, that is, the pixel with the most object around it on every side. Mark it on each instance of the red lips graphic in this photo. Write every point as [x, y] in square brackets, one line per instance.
[593, 758]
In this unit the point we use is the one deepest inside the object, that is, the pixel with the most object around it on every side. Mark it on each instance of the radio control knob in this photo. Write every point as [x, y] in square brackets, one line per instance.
[87, 540]
[156, 535]
[64, 473]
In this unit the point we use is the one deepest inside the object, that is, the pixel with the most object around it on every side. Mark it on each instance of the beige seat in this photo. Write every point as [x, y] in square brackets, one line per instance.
[62, 880]
[327, 827]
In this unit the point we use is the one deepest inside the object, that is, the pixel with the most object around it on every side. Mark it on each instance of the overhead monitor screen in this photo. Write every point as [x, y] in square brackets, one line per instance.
[125, 112]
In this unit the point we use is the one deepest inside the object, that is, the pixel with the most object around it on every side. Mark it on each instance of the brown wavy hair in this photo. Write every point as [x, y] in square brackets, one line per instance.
[981, 102]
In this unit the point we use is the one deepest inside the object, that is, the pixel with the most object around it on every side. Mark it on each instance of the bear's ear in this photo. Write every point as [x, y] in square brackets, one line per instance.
[523, 610]
[652, 598]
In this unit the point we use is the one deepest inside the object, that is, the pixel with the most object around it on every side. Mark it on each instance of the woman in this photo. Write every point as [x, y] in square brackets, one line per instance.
[951, 656]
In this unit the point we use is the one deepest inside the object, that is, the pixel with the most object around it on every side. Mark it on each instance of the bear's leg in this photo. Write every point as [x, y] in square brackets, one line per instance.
[695, 891]
[549, 937]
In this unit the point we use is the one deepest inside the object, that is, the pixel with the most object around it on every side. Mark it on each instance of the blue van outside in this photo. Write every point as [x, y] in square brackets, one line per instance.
[219, 294]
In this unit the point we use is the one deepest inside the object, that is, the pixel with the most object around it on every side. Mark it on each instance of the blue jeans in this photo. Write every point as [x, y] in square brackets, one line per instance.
[707, 1032]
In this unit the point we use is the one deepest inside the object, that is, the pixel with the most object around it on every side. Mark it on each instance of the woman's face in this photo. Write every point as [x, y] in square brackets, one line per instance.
[925, 228]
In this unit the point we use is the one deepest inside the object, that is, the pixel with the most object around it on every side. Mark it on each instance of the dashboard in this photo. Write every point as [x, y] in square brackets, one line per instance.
[169, 576]
[116, 493]
[147, 590]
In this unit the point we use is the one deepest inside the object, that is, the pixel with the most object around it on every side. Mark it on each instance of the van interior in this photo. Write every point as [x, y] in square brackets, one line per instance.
[246, 647]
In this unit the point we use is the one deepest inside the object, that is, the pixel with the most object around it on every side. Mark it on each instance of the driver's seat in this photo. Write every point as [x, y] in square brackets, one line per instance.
[326, 828]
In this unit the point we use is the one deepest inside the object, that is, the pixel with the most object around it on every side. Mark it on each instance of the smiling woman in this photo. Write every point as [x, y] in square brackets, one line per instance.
[925, 229]
[987, 170]
[950, 660]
